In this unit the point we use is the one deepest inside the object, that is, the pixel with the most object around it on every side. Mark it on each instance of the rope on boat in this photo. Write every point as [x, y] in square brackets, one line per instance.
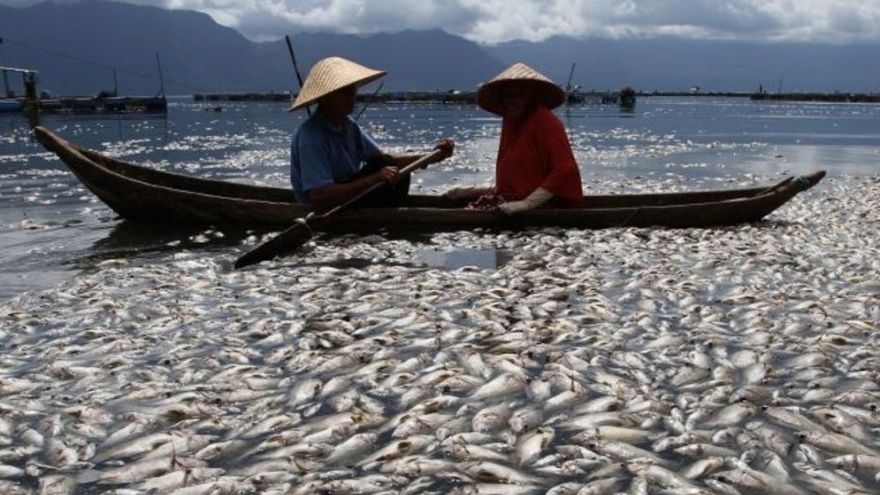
[304, 221]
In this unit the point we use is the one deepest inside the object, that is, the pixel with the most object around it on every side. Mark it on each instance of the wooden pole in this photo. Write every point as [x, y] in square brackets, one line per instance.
[296, 68]
[8, 92]
[161, 79]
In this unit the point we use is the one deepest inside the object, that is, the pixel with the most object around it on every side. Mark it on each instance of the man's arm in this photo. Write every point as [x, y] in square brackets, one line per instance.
[327, 197]
[403, 159]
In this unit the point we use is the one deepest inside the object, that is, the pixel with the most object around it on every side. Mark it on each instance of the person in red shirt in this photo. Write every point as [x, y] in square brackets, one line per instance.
[535, 166]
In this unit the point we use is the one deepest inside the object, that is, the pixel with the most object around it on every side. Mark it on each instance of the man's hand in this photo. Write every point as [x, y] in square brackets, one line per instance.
[388, 174]
[447, 146]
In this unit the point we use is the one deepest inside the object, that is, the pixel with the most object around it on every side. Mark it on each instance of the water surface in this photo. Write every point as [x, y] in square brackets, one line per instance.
[52, 227]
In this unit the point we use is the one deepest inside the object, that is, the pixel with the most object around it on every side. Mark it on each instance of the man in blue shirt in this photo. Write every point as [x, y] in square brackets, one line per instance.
[328, 152]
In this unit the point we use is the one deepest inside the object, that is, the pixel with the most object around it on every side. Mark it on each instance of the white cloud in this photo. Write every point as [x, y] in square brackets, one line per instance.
[491, 21]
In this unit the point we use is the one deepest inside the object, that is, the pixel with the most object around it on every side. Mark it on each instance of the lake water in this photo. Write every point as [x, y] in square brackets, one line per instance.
[53, 228]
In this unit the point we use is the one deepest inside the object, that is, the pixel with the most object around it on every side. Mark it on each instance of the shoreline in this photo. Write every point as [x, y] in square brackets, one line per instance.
[580, 98]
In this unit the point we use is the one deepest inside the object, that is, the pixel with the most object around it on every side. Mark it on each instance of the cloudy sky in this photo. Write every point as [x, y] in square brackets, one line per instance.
[493, 21]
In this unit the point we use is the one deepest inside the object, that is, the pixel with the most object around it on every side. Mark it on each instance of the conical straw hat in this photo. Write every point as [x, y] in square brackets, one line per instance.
[330, 74]
[548, 93]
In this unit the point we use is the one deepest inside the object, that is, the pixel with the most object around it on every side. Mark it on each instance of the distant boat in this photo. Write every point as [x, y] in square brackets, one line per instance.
[627, 98]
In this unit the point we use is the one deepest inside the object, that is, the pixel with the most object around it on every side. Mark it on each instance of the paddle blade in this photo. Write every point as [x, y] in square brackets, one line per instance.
[281, 245]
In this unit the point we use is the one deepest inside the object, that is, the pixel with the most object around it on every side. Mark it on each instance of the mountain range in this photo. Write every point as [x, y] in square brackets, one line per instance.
[94, 45]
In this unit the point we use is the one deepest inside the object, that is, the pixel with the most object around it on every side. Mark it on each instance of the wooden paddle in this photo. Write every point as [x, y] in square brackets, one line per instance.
[301, 231]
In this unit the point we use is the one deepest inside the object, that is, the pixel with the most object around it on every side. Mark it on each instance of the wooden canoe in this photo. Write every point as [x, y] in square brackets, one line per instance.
[144, 194]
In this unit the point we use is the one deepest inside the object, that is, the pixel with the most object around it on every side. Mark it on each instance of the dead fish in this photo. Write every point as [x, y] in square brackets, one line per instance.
[753, 393]
[399, 449]
[176, 480]
[594, 420]
[530, 446]
[602, 486]
[563, 400]
[463, 451]
[659, 475]
[835, 442]
[134, 447]
[730, 415]
[57, 484]
[856, 462]
[355, 446]
[60, 454]
[827, 482]
[842, 422]
[773, 438]
[491, 418]
[792, 417]
[632, 436]
[624, 451]
[420, 424]
[7, 471]
[224, 449]
[491, 472]
[539, 390]
[304, 391]
[525, 419]
[704, 450]
[138, 471]
[748, 476]
[702, 467]
[505, 384]
[419, 466]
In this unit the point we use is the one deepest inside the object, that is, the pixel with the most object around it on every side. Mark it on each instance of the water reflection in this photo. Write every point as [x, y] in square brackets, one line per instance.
[460, 258]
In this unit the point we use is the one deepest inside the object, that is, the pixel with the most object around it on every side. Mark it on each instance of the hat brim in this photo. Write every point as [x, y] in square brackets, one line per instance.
[330, 75]
[490, 95]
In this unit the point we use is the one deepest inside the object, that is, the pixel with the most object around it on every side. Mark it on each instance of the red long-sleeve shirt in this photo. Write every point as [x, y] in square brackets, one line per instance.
[535, 152]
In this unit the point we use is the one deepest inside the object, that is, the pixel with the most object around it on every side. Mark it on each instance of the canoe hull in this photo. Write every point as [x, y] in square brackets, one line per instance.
[143, 194]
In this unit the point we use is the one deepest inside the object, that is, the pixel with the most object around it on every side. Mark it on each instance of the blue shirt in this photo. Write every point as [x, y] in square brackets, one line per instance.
[321, 155]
